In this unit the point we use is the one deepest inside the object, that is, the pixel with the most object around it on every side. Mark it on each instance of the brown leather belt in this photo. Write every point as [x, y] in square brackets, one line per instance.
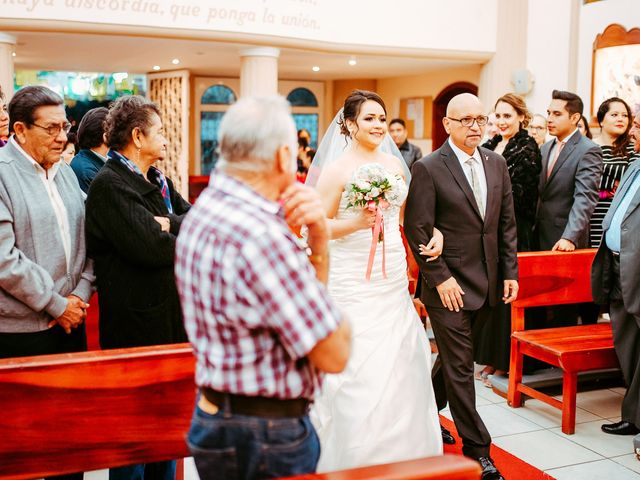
[257, 406]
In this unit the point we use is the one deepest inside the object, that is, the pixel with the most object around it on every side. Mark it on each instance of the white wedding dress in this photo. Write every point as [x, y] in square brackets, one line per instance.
[381, 408]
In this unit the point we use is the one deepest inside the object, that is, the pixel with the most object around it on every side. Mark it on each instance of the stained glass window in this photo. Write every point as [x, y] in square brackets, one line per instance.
[302, 97]
[218, 95]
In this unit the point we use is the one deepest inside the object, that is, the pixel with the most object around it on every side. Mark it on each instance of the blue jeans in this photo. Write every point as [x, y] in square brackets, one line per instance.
[229, 447]
[149, 471]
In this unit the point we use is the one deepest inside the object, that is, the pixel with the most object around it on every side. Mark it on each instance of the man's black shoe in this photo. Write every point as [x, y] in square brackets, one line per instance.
[447, 437]
[620, 428]
[489, 470]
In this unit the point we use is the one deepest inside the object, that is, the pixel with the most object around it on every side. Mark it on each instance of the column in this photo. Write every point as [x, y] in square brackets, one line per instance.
[259, 71]
[511, 52]
[7, 47]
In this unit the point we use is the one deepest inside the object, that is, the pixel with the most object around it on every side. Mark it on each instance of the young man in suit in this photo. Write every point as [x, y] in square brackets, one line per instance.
[615, 279]
[465, 192]
[571, 171]
[568, 189]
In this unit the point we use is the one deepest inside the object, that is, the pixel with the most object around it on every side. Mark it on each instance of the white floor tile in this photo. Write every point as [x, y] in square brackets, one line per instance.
[602, 470]
[547, 416]
[619, 390]
[544, 450]
[590, 436]
[488, 394]
[97, 475]
[603, 403]
[190, 472]
[500, 421]
[630, 461]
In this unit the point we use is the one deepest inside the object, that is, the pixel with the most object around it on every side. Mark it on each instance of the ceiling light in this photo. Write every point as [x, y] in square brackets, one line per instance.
[353, 61]
[175, 61]
[315, 68]
[13, 54]
[156, 67]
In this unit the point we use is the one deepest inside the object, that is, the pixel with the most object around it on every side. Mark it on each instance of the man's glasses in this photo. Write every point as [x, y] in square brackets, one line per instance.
[54, 130]
[468, 121]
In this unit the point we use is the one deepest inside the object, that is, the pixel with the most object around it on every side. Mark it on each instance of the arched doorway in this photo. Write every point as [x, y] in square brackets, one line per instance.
[438, 134]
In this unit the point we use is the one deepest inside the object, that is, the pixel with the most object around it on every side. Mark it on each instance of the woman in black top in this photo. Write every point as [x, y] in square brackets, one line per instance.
[133, 214]
[524, 163]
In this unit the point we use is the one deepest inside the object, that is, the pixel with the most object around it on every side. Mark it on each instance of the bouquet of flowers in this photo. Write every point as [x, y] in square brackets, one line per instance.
[375, 189]
[372, 187]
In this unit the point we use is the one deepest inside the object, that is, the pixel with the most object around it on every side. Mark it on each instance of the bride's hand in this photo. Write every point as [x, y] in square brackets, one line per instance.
[434, 248]
[366, 219]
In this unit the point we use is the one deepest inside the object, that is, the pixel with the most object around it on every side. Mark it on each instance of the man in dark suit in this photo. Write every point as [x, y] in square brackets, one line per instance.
[465, 192]
[568, 193]
[615, 279]
[571, 171]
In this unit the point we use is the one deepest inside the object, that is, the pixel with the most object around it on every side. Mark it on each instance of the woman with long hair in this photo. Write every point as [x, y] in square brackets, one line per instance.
[381, 408]
[522, 154]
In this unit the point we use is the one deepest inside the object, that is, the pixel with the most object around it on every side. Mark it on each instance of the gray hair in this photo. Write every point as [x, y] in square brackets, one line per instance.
[252, 130]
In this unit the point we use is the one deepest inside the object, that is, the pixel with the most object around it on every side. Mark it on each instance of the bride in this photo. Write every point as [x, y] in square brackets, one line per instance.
[381, 409]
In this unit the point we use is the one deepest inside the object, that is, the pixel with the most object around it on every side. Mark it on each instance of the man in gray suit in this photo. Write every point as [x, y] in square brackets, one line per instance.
[615, 279]
[465, 191]
[568, 190]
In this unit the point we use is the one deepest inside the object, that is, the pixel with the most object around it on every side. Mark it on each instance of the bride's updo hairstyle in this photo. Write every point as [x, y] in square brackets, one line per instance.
[352, 105]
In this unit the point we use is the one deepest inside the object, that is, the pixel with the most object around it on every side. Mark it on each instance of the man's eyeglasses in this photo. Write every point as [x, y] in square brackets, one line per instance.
[54, 130]
[468, 121]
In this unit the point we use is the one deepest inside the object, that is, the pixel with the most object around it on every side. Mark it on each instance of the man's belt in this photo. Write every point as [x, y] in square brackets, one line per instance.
[256, 406]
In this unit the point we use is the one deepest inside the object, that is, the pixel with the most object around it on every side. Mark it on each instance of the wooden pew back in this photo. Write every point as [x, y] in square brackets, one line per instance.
[87, 411]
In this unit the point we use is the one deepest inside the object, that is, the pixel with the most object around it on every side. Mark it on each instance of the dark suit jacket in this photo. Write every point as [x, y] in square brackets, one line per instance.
[569, 196]
[478, 254]
[134, 258]
[86, 165]
[601, 275]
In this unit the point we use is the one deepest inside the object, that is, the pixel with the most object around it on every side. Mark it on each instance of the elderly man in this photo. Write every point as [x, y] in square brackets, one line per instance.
[615, 279]
[538, 129]
[464, 191]
[410, 152]
[45, 277]
[255, 308]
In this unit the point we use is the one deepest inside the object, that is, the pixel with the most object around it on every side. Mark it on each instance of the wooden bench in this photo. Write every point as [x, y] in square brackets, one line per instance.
[95, 410]
[446, 467]
[554, 278]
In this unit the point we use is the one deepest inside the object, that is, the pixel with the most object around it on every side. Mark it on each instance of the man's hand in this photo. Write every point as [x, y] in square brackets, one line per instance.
[73, 316]
[165, 223]
[434, 248]
[451, 294]
[302, 207]
[563, 245]
[510, 291]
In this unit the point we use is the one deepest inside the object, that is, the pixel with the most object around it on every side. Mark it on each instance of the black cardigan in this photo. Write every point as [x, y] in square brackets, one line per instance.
[524, 163]
[133, 258]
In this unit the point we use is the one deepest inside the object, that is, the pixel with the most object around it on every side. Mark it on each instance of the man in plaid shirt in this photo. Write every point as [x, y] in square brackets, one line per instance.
[262, 325]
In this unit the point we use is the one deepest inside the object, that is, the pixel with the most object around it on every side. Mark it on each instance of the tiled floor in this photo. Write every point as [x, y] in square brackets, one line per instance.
[533, 434]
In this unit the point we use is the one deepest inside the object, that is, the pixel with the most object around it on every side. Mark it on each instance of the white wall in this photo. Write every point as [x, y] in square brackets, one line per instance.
[594, 18]
[424, 25]
[548, 50]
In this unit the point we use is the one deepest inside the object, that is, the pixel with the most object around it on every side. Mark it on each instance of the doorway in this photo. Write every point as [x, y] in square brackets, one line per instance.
[438, 134]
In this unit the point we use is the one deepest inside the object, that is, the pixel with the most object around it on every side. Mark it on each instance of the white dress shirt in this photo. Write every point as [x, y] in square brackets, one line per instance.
[48, 177]
[479, 166]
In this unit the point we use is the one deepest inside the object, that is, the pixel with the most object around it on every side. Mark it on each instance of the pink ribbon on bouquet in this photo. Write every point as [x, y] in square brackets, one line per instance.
[377, 233]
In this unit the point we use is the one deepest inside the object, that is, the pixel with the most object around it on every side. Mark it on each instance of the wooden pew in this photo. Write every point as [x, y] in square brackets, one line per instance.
[554, 278]
[447, 467]
[95, 410]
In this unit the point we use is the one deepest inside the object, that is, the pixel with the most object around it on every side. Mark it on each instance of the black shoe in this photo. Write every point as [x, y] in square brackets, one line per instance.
[489, 470]
[447, 438]
[620, 428]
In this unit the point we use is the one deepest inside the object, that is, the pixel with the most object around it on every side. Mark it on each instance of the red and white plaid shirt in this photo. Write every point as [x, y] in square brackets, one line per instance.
[253, 307]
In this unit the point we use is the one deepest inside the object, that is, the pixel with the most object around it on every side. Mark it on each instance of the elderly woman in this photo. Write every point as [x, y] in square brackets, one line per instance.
[133, 217]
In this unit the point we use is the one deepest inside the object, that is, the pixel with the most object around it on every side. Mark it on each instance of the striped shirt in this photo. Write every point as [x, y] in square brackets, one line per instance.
[253, 307]
[612, 172]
